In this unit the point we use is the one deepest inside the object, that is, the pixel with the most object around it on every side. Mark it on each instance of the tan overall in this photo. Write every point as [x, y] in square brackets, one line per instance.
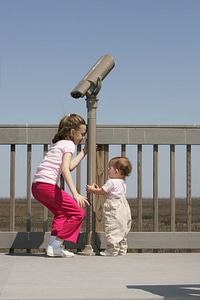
[117, 221]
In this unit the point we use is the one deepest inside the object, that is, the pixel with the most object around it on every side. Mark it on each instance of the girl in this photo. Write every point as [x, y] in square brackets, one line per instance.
[68, 211]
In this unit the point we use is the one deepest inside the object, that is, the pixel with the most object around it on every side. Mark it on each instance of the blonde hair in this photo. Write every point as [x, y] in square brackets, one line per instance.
[122, 164]
[68, 122]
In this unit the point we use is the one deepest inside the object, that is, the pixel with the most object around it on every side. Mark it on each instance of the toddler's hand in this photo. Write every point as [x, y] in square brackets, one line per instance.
[91, 188]
[88, 188]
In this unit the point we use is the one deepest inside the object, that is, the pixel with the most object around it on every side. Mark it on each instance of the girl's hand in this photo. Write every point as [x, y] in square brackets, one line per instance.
[85, 147]
[81, 200]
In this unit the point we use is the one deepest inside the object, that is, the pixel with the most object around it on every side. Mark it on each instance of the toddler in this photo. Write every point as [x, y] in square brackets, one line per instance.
[116, 210]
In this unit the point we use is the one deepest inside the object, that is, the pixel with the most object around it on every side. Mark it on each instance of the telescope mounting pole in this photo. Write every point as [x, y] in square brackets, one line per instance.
[92, 104]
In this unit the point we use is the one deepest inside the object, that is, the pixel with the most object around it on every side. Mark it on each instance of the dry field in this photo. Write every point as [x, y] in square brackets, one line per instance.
[164, 214]
[37, 212]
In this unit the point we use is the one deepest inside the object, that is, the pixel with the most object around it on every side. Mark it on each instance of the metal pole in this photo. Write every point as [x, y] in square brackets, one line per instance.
[92, 102]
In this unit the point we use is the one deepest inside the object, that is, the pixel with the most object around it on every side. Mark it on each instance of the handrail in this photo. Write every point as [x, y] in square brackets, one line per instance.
[107, 135]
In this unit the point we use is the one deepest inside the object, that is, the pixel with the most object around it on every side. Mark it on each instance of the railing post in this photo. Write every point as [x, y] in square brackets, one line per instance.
[123, 150]
[172, 186]
[98, 200]
[28, 192]
[155, 187]
[78, 172]
[45, 209]
[139, 188]
[188, 188]
[12, 188]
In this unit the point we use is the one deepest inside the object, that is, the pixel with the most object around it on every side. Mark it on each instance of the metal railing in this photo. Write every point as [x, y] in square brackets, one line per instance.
[125, 137]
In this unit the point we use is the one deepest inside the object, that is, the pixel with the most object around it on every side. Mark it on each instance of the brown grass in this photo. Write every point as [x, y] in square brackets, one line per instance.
[37, 211]
[164, 214]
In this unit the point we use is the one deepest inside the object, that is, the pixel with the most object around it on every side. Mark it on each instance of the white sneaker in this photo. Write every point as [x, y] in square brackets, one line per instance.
[58, 252]
[106, 253]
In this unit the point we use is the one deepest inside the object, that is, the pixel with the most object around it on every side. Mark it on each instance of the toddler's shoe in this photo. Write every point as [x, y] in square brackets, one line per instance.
[106, 253]
[122, 253]
[58, 252]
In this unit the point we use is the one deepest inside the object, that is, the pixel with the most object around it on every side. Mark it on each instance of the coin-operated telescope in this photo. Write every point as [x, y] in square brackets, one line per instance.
[89, 87]
[91, 82]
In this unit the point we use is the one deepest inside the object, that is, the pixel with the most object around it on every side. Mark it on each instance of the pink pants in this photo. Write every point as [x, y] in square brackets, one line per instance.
[68, 216]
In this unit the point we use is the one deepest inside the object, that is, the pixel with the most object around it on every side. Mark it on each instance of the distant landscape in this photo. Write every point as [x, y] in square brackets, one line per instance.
[37, 211]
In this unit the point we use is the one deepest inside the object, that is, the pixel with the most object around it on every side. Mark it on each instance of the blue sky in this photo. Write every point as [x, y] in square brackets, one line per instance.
[47, 46]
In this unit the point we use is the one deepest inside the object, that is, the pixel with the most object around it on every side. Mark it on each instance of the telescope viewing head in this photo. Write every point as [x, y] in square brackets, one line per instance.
[91, 82]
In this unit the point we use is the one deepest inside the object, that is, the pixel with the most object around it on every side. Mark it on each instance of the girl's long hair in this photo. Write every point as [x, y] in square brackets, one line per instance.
[68, 122]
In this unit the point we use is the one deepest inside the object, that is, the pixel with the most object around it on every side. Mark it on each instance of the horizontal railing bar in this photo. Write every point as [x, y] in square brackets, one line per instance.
[136, 240]
[107, 134]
